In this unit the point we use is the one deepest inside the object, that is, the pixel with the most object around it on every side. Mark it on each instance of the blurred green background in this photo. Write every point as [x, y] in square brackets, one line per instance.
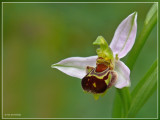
[38, 35]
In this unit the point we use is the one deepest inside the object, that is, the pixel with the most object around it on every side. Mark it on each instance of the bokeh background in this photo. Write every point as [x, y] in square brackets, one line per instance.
[38, 35]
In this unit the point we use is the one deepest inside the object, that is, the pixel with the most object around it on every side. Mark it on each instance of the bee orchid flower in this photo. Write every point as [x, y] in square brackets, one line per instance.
[98, 73]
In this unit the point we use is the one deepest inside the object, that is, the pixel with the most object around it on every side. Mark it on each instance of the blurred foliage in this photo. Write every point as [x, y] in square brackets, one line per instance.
[38, 35]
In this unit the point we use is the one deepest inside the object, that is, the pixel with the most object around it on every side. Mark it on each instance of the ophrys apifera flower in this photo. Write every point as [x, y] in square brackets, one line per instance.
[98, 73]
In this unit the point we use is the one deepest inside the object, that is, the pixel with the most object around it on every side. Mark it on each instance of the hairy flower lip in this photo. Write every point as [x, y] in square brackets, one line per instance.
[121, 44]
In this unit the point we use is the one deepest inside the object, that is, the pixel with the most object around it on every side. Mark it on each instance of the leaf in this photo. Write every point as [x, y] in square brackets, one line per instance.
[151, 13]
[143, 90]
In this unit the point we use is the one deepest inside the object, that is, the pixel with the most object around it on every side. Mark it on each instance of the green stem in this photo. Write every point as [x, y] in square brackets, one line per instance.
[125, 99]
[124, 94]
[117, 111]
[145, 88]
[122, 103]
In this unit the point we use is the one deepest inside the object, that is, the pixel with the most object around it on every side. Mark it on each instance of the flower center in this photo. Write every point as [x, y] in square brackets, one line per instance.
[101, 68]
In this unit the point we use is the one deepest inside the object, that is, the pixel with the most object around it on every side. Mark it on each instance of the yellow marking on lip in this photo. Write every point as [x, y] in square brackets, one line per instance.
[94, 84]
[94, 73]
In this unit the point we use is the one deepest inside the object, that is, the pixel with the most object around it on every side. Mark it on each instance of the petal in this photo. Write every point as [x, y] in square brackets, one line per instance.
[124, 36]
[123, 72]
[75, 66]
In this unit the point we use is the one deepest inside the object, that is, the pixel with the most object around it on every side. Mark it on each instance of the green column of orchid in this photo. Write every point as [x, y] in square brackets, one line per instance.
[104, 51]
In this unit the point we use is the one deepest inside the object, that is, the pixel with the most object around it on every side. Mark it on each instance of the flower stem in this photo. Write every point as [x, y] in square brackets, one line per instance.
[146, 87]
[124, 94]
[124, 99]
